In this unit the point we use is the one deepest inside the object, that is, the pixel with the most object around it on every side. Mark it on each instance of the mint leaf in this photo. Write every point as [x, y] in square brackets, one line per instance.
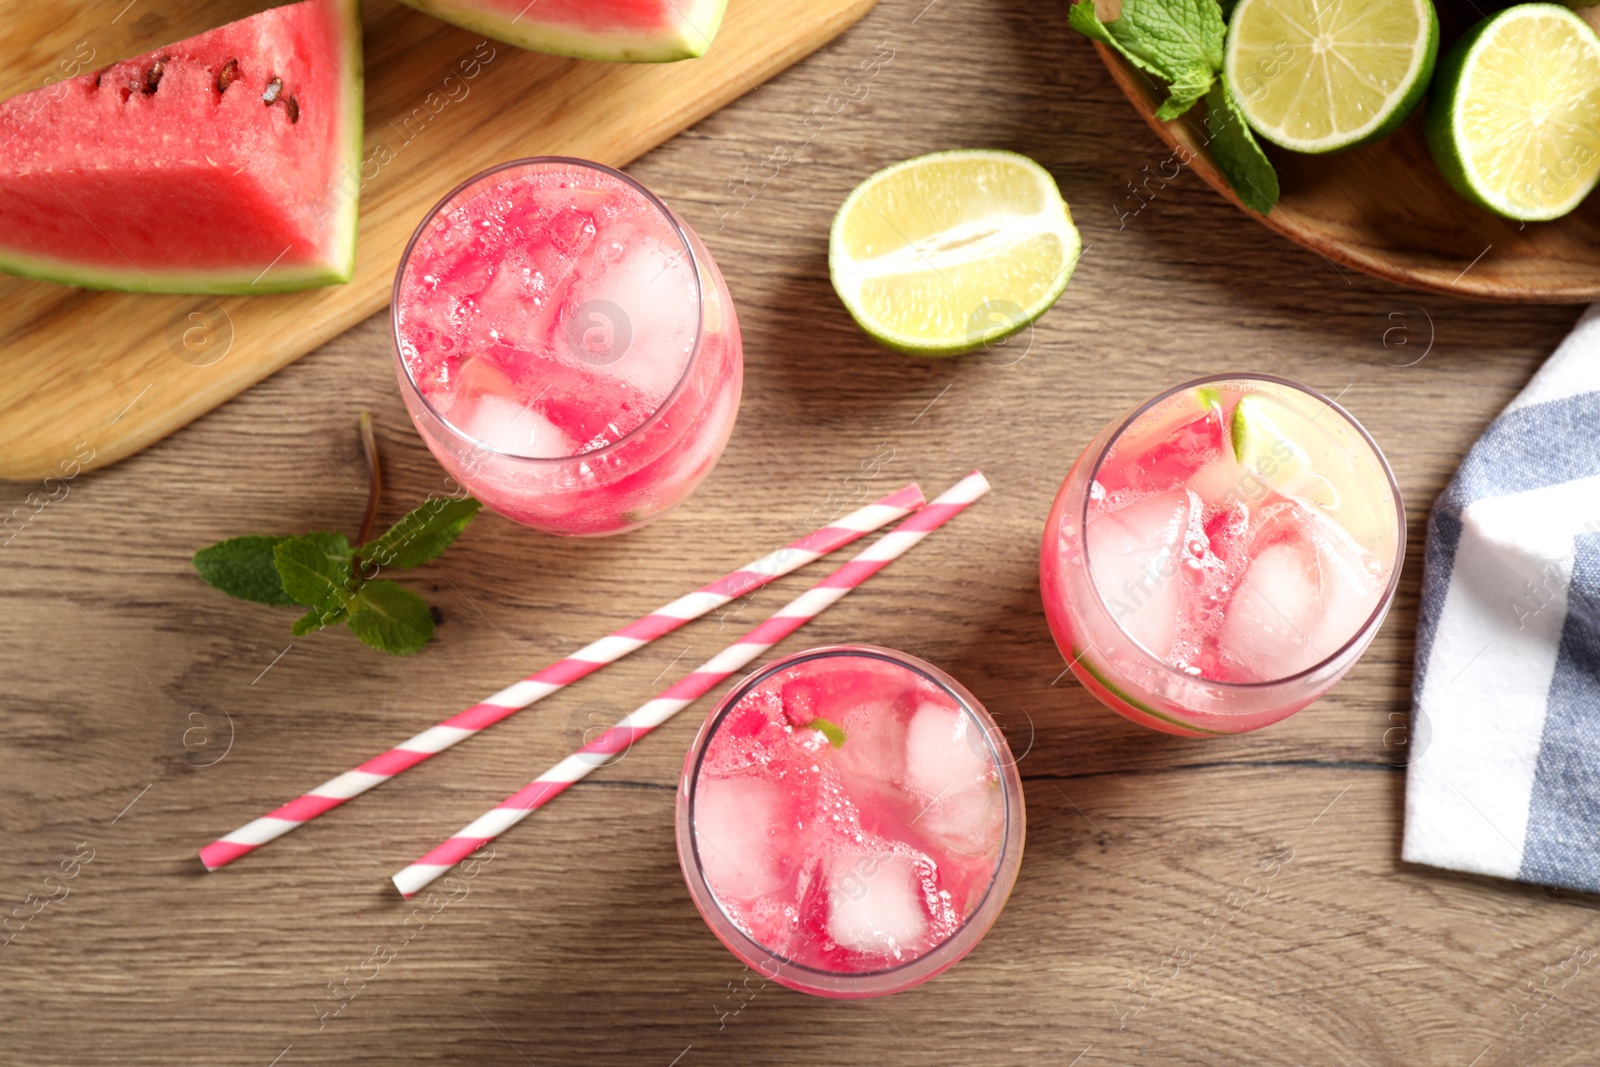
[316, 619]
[422, 535]
[243, 567]
[1175, 34]
[827, 729]
[391, 618]
[1238, 155]
[315, 570]
[1177, 40]
[1181, 95]
[1082, 17]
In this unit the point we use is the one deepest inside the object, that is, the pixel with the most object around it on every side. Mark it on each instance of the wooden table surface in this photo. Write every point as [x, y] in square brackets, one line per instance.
[142, 713]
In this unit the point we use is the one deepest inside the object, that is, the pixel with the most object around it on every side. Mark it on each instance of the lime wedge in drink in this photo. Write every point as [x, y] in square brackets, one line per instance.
[1514, 122]
[1297, 450]
[949, 252]
[1267, 442]
[1322, 75]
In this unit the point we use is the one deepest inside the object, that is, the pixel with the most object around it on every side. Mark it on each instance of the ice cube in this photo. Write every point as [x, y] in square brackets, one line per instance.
[946, 753]
[451, 250]
[875, 743]
[1352, 585]
[736, 827]
[546, 440]
[518, 307]
[465, 262]
[875, 903]
[512, 428]
[631, 312]
[1134, 555]
[485, 404]
[1167, 445]
[968, 821]
[1303, 595]
[1266, 630]
[1222, 483]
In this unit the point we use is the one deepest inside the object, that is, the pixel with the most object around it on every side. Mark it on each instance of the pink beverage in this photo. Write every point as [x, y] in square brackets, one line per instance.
[1218, 559]
[850, 821]
[566, 346]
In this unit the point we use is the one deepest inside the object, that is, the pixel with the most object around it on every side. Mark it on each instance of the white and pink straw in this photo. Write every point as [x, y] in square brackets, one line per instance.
[537, 686]
[617, 740]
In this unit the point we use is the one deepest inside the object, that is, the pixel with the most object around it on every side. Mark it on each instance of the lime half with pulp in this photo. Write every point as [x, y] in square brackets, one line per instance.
[1323, 75]
[1514, 122]
[950, 252]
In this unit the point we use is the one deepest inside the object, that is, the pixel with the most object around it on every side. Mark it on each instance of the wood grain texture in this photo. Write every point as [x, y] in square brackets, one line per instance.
[1385, 209]
[120, 370]
[120, 672]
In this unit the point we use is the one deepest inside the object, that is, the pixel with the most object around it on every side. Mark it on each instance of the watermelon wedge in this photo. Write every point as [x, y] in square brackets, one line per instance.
[624, 31]
[225, 163]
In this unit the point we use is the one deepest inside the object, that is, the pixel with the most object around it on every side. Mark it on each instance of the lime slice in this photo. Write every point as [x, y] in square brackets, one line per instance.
[1304, 452]
[829, 730]
[949, 252]
[1321, 75]
[1266, 448]
[1514, 122]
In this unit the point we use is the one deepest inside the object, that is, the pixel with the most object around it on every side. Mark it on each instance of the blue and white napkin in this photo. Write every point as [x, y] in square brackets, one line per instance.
[1504, 776]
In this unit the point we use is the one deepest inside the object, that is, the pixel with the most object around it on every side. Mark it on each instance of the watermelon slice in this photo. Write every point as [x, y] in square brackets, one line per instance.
[628, 31]
[225, 163]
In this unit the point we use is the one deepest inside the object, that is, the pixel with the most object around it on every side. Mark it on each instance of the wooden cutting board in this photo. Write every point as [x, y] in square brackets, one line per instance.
[106, 374]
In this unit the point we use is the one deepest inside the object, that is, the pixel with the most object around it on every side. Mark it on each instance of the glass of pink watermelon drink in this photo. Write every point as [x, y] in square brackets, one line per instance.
[1217, 559]
[566, 346]
[849, 821]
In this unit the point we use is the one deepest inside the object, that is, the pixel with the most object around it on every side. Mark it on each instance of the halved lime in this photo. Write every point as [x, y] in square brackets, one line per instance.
[949, 252]
[1322, 75]
[1514, 122]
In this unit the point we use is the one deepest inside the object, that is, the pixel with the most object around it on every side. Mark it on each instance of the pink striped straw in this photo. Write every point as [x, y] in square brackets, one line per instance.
[617, 740]
[537, 686]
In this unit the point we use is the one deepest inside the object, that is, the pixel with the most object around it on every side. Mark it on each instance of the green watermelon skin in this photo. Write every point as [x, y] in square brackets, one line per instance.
[173, 173]
[619, 31]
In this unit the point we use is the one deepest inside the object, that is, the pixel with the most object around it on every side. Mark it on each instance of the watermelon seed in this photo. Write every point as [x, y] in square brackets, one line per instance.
[152, 77]
[225, 76]
[293, 107]
[274, 87]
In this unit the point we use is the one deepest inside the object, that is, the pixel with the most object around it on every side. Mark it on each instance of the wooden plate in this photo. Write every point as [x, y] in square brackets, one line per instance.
[1385, 210]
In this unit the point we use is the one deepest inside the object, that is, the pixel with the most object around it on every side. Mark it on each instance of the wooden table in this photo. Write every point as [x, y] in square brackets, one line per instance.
[143, 713]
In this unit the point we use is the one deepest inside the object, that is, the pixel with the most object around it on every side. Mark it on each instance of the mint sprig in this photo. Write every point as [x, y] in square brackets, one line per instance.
[1180, 41]
[336, 582]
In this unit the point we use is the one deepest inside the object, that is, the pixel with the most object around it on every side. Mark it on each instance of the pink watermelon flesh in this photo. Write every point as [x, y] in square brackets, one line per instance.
[635, 31]
[224, 163]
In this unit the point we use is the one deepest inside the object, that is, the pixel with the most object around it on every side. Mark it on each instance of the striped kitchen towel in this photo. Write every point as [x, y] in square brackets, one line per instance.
[1504, 774]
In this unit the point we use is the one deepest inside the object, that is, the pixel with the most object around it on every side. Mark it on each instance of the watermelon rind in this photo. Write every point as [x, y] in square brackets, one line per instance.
[252, 281]
[690, 40]
[353, 113]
